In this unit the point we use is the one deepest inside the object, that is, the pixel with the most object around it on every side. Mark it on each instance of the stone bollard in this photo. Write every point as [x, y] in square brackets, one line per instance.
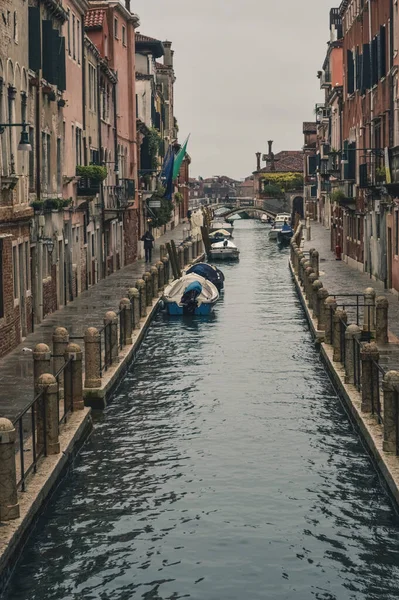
[74, 376]
[390, 387]
[180, 257]
[47, 384]
[322, 315]
[316, 286]
[147, 277]
[186, 254]
[126, 322]
[369, 310]
[368, 354]
[381, 320]
[111, 338]
[312, 279]
[134, 296]
[160, 269]
[302, 269]
[41, 361]
[314, 259]
[162, 251]
[330, 306]
[353, 334]
[307, 274]
[141, 286]
[190, 252]
[166, 275]
[296, 263]
[9, 506]
[92, 341]
[154, 277]
[339, 317]
[60, 342]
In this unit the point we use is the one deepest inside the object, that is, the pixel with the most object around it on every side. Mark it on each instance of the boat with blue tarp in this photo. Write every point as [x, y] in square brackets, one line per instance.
[190, 295]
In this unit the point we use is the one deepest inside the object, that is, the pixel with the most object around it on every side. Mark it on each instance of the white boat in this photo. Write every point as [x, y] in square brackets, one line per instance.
[190, 295]
[278, 224]
[215, 225]
[225, 250]
[264, 219]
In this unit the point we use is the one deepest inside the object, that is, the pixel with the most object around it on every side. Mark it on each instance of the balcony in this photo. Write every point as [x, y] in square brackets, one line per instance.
[88, 187]
[371, 175]
[119, 197]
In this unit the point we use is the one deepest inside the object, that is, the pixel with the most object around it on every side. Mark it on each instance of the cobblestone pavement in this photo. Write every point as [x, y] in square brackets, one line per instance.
[338, 277]
[16, 368]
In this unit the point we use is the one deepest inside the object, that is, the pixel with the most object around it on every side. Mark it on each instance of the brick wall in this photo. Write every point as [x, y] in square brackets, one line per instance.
[10, 324]
[130, 228]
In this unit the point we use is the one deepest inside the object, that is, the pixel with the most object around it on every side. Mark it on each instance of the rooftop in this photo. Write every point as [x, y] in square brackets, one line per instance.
[144, 43]
[309, 127]
[94, 18]
[287, 161]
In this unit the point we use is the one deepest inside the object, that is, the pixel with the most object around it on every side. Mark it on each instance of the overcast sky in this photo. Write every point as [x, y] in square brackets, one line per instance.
[246, 73]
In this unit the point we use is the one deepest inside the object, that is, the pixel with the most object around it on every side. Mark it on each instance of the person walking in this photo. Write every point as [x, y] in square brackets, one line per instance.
[148, 240]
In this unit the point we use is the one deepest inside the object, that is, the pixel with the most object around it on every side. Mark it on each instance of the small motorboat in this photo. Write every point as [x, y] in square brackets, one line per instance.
[190, 295]
[265, 219]
[278, 225]
[225, 250]
[219, 235]
[209, 272]
[216, 225]
[285, 234]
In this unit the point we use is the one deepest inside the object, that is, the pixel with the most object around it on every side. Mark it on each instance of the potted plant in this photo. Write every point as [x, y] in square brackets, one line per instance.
[91, 176]
[37, 205]
[178, 197]
[380, 175]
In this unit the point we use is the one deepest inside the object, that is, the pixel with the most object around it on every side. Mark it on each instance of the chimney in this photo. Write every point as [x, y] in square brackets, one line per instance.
[127, 5]
[258, 154]
[168, 55]
[271, 156]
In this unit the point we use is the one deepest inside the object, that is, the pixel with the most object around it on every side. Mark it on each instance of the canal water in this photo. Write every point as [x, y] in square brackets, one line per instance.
[224, 469]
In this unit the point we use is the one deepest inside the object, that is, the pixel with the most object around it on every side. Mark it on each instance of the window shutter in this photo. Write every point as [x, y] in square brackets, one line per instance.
[313, 191]
[366, 71]
[312, 164]
[61, 69]
[48, 64]
[352, 161]
[374, 62]
[346, 165]
[350, 72]
[358, 70]
[35, 62]
[383, 55]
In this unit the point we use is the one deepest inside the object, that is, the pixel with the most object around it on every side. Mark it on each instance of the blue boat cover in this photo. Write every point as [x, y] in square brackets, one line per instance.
[286, 227]
[208, 272]
[194, 286]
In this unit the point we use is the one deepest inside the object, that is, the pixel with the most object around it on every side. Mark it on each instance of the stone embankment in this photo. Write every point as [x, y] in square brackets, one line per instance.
[78, 373]
[353, 331]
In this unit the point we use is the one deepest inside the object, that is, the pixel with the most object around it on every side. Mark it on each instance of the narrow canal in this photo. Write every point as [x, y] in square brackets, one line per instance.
[224, 469]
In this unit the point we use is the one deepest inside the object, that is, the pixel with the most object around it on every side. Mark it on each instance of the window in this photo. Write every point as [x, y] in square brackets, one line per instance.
[48, 160]
[59, 169]
[73, 38]
[15, 28]
[123, 35]
[15, 271]
[27, 265]
[78, 146]
[69, 32]
[31, 159]
[106, 46]
[396, 233]
[116, 28]
[78, 38]
[44, 170]
[92, 88]
[377, 225]
[46, 262]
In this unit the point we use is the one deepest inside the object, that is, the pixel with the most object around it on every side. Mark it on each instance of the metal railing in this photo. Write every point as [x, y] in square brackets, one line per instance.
[342, 329]
[26, 426]
[377, 374]
[357, 364]
[65, 404]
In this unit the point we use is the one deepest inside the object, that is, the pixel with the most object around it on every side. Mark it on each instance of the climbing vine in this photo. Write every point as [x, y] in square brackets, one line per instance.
[154, 146]
[160, 216]
[285, 181]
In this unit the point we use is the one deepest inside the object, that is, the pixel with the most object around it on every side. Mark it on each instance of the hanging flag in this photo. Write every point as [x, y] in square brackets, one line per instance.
[167, 173]
[179, 159]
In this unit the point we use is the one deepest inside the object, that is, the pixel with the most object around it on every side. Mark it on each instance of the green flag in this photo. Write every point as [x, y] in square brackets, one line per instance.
[179, 159]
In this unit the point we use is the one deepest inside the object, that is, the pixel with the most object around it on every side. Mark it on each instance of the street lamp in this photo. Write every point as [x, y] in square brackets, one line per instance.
[24, 143]
[48, 242]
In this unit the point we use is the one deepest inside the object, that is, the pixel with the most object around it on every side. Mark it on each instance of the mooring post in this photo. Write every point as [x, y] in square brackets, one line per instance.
[312, 279]
[390, 387]
[9, 506]
[322, 315]
[126, 322]
[47, 384]
[317, 285]
[352, 336]
[41, 361]
[154, 277]
[314, 259]
[60, 342]
[148, 287]
[141, 286]
[92, 342]
[166, 269]
[369, 311]
[74, 376]
[160, 268]
[134, 296]
[369, 355]
[111, 337]
[330, 306]
[381, 320]
[340, 318]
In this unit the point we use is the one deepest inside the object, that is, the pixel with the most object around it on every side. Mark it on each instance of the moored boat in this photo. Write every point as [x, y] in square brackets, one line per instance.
[219, 235]
[209, 272]
[215, 225]
[190, 295]
[225, 250]
[285, 234]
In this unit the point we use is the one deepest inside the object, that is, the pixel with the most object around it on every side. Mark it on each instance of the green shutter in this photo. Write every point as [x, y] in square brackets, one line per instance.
[382, 54]
[366, 72]
[47, 30]
[35, 62]
[61, 69]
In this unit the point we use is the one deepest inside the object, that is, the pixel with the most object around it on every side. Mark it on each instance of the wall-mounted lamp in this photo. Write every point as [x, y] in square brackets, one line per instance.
[24, 144]
[48, 242]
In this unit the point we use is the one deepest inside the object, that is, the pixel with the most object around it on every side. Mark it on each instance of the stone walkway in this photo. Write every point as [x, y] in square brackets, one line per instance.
[16, 368]
[340, 278]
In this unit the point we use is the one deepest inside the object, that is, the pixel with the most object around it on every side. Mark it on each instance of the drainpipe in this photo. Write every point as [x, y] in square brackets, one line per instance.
[102, 236]
[84, 89]
[371, 128]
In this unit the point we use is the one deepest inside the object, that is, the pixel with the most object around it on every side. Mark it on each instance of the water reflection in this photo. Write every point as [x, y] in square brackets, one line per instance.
[224, 469]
